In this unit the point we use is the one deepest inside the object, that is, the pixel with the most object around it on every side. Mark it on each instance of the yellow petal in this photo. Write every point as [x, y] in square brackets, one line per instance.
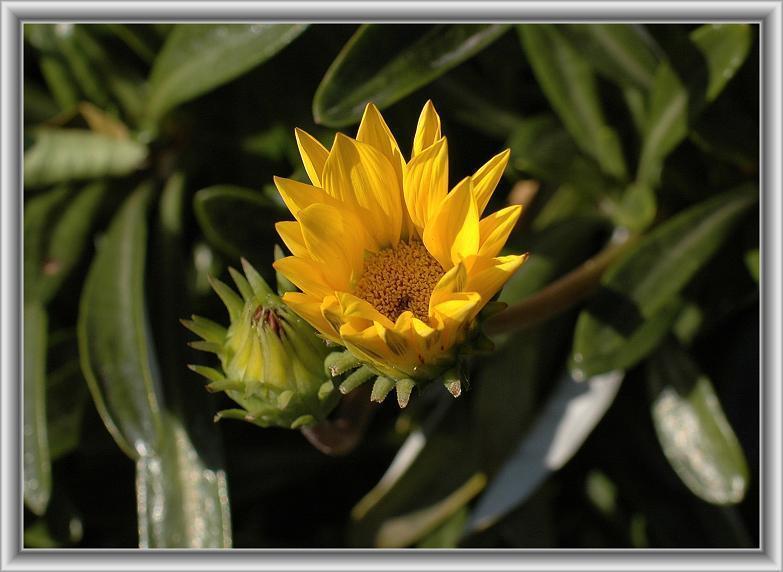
[427, 130]
[331, 312]
[456, 316]
[298, 196]
[307, 275]
[374, 131]
[488, 275]
[426, 183]
[354, 307]
[495, 228]
[487, 177]
[360, 176]
[313, 155]
[291, 233]
[453, 232]
[368, 345]
[452, 281]
[332, 242]
[309, 308]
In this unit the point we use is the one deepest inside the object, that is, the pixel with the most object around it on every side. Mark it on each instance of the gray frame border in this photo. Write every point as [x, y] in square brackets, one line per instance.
[767, 13]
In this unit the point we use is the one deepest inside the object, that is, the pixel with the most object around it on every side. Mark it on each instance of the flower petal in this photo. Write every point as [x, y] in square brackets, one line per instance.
[359, 175]
[453, 281]
[426, 183]
[298, 196]
[453, 232]
[427, 130]
[487, 177]
[488, 275]
[455, 316]
[313, 154]
[306, 274]
[354, 307]
[291, 233]
[332, 242]
[309, 308]
[495, 228]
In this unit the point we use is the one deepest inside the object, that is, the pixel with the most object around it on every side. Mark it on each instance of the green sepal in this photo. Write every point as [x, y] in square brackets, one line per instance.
[356, 378]
[404, 388]
[337, 363]
[381, 388]
[231, 299]
[242, 284]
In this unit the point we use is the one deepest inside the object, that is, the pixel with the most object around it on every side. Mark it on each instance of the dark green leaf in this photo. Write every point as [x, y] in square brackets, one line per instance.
[382, 64]
[693, 431]
[680, 94]
[570, 86]
[36, 465]
[636, 208]
[66, 397]
[238, 221]
[68, 236]
[624, 53]
[39, 213]
[182, 503]
[541, 147]
[568, 417]
[639, 294]
[59, 155]
[114, 337]
[199, 57]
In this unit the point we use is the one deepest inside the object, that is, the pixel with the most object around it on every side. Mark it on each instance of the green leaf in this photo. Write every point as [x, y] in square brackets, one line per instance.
[59, 155]
[639, 294]
[692, 429]
[39, 213]
[382, 64]
[181, 502]
[238, 221]
[679, 95]
[566, 420]
[636, 208]
[36, 464]
[624, 53]
[66, 397]
[540, 146]
[68, 237]
[570, 86]
[197, 58]
[752, 261]
[114, 337]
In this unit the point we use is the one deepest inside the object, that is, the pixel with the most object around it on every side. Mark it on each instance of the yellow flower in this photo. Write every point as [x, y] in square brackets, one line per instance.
[391, 264]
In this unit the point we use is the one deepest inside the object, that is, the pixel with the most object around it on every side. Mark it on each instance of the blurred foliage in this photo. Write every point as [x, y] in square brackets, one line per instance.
[630, 419]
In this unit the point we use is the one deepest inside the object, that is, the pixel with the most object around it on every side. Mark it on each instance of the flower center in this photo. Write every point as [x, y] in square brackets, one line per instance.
[399, 279]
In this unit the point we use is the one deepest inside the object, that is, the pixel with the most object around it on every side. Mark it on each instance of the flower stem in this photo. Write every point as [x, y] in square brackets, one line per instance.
[340, 434]
[560, 294]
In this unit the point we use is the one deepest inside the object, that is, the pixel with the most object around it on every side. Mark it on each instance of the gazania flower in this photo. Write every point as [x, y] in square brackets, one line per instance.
[390, 263]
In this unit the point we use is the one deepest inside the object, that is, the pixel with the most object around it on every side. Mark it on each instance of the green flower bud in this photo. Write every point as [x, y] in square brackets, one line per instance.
[271, 360]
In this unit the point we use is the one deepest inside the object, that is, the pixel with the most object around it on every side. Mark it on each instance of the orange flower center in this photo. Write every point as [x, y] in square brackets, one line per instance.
[399, 279]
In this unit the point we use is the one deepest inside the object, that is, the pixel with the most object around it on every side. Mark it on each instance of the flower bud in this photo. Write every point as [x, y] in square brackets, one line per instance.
[271, 360]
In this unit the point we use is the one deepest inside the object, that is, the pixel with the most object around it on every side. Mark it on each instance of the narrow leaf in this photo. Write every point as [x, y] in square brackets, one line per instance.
[383, 63]
[647, 281]
[181, 502]
[197, 58]
[59, 155]
[114, 337]
[693, 430]
[567, 419]
[570, 86]
[36, 464]
[680, 94]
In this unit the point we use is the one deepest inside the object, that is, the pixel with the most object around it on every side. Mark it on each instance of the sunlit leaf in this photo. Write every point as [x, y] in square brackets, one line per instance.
[694, 433]
[568, 417]
[638, 299]
[570, 86]
[60, 155]
[182, 503]
[197, 58]
[383, 63]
